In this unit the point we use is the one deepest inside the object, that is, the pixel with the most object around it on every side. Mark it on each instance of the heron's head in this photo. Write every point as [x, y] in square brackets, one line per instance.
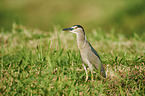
[75, 29]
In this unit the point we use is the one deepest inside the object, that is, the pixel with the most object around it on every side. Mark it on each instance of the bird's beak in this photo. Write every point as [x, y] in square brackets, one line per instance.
[68, 29]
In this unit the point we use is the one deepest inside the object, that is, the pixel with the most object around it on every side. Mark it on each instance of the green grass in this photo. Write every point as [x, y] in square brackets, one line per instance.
[125, 16]
[34, 62]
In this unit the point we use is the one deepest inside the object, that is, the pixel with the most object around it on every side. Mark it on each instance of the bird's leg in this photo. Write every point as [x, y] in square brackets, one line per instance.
[91, 69]
[92, 78]
[85, 71]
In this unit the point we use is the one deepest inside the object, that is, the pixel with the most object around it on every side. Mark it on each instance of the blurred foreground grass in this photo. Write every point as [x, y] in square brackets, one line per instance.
[34, 62]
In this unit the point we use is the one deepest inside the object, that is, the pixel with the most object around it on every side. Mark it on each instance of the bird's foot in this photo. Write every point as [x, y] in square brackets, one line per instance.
[92, 79]
[86, 78]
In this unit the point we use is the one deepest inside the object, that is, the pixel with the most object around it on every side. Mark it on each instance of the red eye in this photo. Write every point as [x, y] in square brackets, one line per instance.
[76, 27]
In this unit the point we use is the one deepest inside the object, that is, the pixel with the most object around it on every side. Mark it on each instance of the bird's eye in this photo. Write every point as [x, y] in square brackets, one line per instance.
[76, 27]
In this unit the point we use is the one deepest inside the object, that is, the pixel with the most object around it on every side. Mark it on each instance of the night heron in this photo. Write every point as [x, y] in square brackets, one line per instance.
[88, 54]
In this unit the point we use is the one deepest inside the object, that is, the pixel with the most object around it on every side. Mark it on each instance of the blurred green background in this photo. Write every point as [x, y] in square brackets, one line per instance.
[124, 16]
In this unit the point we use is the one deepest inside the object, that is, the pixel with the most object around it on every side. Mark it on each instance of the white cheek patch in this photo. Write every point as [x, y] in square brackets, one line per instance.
[73, 31]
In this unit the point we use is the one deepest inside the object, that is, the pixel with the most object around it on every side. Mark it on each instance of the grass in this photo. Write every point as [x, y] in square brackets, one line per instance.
[34, 62]
[123, 15]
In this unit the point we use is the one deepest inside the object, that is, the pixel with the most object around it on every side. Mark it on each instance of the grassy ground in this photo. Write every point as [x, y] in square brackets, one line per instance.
[34, 62]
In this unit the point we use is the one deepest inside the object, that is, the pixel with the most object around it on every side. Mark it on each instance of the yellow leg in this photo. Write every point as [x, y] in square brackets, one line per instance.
[86, 77]
[91, 69]
[86, 72]
[92, 78]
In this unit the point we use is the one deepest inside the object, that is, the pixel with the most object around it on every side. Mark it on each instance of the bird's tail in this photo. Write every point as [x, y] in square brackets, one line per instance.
[101, 70]
[103, 73]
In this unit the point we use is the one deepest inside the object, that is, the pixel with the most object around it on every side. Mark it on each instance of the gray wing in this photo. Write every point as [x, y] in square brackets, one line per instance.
[94, 51]
[96, 61]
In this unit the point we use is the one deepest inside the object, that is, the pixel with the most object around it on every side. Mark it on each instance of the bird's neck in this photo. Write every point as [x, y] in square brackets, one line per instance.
[81, 41]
